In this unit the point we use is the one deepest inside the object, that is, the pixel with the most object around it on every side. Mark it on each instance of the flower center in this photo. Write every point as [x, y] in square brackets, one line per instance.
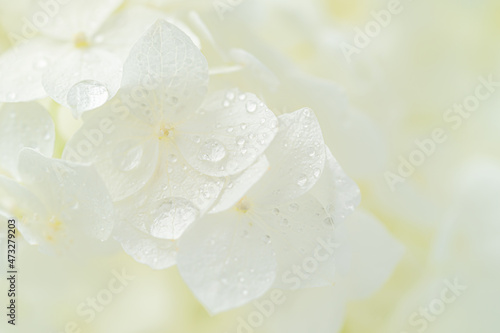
[80, 40]
[55, 225]
[165, 132]
[243, 205]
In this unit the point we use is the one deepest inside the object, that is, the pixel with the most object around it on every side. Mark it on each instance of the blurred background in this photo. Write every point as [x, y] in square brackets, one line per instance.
[408, 96]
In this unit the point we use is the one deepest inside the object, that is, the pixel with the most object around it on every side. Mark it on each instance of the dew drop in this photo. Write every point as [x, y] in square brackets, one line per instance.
[251, 106]
[302, 180]
[230, 95]
[172, 218]
[243, 126]
[242, 97]
[293, 207]
[226, 103]
[212, 151]
[328, 221]
[127, 156]
[316, 173]
[172, 158]
[87, 95]
[266, 239]
[240, 141]
[276, 211]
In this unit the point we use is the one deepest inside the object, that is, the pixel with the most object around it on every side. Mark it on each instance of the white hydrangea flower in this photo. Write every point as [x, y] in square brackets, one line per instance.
[165, 148]
[23, 125]
[55, 201]
[76, 58]
[236, 253]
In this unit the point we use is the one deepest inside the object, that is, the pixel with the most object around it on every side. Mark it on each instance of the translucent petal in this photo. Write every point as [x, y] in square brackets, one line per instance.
[24, 125]
[77, 17]
[19, 202]
[122, 148]
[338, 193]
[146, 249]
[375, 254]
[125, 27]
[174, 198]
[226, 261]
[167, 67]
[296, 156]
[236, 186]
[303, 236]
[22, 68]
[75, 194]
[227, 134]
[83, 80]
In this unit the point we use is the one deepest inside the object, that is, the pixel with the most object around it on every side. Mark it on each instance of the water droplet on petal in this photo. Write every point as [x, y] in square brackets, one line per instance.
[316, 173]
[127, 156]
[212, 151]
[172, 218]
[328, 221]
[226, 103]
[266, 239]
[251, 106]
[230, 95]
[293, 207]
[276, 211]
[87, 95]
[172, 158]
[302, 180]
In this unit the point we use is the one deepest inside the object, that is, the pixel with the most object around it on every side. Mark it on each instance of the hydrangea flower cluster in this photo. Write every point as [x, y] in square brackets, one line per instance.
[214, 182]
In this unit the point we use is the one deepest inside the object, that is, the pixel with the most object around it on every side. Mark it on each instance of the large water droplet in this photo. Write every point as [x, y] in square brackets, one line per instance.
[172, 218]
[87, 95]
[212, 151]
[302, 180]
[127, 156]
[251, 106]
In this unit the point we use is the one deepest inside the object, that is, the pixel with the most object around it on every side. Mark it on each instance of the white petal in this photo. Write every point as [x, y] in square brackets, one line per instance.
[74, 192]
[24, 125]
[83, 80]
[122, 148]
[144, 248]
[17, 201]
[22, 68]
[304, 238]
[296, 156]
[236, 186]
[169, 68]
[375, 254]
[226, 261]
[174, 198]
[338, 193]
[125, 27]
[227, 134]
[78, 16]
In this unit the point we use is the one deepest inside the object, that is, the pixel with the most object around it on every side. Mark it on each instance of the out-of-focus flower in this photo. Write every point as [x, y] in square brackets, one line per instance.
[76, 57]
[55, 201]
